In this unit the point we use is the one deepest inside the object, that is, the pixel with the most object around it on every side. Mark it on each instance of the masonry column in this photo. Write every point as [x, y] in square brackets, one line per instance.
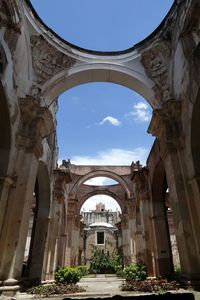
[57, 239]
[143, 224]
[75, 241]
[71, 214]
[166, 125]
[34, 125]
[6, 184]
[126, 239]
[132, 228]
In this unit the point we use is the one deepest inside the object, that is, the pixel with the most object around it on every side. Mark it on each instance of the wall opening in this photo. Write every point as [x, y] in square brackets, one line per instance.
[94, 27]
[166, 256]
[38, 227]
[106, 124]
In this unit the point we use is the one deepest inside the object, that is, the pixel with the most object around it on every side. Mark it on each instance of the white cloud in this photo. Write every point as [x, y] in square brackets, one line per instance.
[100, 181]
[75, 99]
[140, 112]
[97, 181]
[112, 157]
[113, 121]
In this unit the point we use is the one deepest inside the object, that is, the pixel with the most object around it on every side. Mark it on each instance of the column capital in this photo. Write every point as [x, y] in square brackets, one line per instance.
[61, 178]
[166, 125]
[36, 123]
[141, 180]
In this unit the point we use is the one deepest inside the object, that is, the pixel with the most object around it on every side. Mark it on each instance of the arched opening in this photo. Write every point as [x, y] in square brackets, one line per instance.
[94, 27]
[166, 254]
[38, 227]
[136, 115]
[100, 228]
[101, 173]
[101, 118]
[108, 204]
[101, 181]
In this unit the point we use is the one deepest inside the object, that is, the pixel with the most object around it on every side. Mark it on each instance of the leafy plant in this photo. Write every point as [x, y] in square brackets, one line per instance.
[102, 263]
[84, 270]
[119, 271]
[135, 272]
[68, 275]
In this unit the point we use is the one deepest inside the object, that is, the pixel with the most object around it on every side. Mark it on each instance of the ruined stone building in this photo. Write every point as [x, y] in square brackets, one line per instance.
[38, 197]
[101, 229]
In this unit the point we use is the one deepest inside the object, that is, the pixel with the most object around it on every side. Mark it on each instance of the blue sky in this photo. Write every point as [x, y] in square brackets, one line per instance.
[103, 123]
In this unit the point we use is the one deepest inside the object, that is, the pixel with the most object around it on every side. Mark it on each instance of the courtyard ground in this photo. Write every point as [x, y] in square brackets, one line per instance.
[101, 286]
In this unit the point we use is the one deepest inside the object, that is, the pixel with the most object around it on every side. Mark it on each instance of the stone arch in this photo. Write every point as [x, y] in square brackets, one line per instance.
[100, 192]
[163, 251]
[40, 225]
[100, 72]
[100, 173]
[76, 65]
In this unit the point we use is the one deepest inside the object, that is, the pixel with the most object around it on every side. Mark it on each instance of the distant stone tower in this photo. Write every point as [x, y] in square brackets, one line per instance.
[100, 207]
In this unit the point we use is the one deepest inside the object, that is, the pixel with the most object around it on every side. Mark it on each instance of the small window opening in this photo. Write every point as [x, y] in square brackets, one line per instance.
[100, 238]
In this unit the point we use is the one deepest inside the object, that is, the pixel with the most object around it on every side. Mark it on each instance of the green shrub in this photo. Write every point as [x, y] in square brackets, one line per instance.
[84, 270]
[67, 275]
[135, 272]
[119, 271]
[102, 263]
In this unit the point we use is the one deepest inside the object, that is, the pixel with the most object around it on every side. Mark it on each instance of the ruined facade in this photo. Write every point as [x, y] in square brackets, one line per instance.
[100, 230]
[36, 66]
